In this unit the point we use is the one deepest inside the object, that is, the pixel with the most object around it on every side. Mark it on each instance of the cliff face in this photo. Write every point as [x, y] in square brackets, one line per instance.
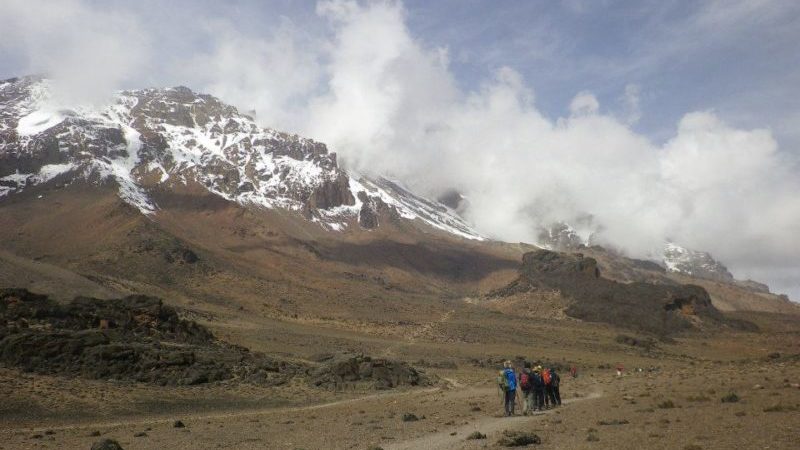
[661, 309]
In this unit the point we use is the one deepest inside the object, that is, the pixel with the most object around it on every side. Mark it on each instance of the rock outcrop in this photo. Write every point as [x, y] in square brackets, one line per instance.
[136, 338]
[341, 371]
[661, 309]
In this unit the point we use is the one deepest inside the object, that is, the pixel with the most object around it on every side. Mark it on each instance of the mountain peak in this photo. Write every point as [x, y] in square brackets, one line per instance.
[165, 138]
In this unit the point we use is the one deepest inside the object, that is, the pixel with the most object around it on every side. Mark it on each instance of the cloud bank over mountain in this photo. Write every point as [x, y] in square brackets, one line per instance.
[356, 77]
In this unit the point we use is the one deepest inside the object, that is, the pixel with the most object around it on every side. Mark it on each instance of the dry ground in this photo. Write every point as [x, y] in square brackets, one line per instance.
[278, 285]
[694, 374]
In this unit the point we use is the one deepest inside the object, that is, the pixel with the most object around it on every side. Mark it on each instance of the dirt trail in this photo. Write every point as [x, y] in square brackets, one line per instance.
[445, 440]
[156, 419]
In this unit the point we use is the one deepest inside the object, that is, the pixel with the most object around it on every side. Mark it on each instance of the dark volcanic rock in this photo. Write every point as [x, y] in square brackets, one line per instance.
[518, 439]
[106, 444]
[136, 338]
[340, 371]
[655, 308]
[332, 193]
[372, 208]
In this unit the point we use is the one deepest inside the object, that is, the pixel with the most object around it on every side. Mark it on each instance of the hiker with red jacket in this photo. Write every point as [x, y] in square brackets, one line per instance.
[526, 386]
[548, 388]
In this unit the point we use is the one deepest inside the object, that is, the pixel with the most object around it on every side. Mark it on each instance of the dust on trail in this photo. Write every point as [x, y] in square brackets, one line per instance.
[488, 425]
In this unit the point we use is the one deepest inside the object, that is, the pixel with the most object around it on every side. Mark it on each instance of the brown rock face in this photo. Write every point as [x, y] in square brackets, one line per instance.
[332, 193]
[371, 210]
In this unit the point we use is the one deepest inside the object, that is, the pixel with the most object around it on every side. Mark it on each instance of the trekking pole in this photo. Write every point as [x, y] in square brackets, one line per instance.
[502, 398]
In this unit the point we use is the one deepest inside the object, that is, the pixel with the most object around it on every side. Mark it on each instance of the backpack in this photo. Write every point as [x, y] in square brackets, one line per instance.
[556, 380]
[511, 380]
[502, 382]
[537, 381]
[525, 381]
[546, 376]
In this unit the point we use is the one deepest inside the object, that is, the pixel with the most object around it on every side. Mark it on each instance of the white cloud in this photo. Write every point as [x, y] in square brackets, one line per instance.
[272, 76]
[89, 52]
[585, 103]
[630, 103]
[389, 104]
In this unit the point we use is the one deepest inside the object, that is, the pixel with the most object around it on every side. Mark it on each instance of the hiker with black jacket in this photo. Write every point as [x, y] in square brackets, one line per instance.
[538, 388]
[525, 378]
[552, 390]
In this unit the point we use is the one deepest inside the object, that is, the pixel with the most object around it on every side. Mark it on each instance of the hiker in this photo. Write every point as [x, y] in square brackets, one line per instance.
[553, 392]
[620, 368]
[573, 371]
[509, 386]
[548, 388]
[526, 386]
[538, 388]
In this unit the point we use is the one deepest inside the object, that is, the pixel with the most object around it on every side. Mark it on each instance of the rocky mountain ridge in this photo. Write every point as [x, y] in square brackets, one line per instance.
[153, 139]
[674, 258]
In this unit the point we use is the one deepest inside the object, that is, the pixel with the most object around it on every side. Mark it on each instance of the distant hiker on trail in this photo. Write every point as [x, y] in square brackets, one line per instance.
[548, 388]
[553, 392]
[526, 386]
[620, 368]
[508, 383]
[573, 371]
[538, 388]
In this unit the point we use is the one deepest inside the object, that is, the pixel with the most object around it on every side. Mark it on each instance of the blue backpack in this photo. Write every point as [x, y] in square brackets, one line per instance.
[511, 380]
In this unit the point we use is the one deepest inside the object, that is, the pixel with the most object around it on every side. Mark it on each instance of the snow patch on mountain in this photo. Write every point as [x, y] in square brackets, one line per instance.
[17, 181]
[694, 263]
[173, 136]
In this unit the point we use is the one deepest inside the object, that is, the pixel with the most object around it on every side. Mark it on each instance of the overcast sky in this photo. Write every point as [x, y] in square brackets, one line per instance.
[656, 119]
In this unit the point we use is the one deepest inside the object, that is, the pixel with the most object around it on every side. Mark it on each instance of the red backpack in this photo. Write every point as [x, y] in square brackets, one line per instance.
[525, 381]
[546, 376]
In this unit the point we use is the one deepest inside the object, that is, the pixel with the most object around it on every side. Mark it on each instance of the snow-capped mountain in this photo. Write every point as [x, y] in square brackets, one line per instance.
[162, 138]
[563, 237]
[694, 263]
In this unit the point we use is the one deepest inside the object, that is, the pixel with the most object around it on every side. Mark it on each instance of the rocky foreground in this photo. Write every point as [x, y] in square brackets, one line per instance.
[140, 339]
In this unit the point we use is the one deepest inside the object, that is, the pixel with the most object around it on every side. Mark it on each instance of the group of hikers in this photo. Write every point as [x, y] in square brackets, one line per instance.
[539, 387]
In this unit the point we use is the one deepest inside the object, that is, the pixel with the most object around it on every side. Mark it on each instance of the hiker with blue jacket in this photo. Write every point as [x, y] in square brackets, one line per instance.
[508, 384]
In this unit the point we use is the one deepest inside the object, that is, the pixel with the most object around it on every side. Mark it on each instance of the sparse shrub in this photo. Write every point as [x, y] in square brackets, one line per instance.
[667, 404]
[644, 343]
[409, 417]
[781, 408]
[613, 422]
[698, 398]
[730, 398]
[518, 439]
[476, 435]
[592, 437]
